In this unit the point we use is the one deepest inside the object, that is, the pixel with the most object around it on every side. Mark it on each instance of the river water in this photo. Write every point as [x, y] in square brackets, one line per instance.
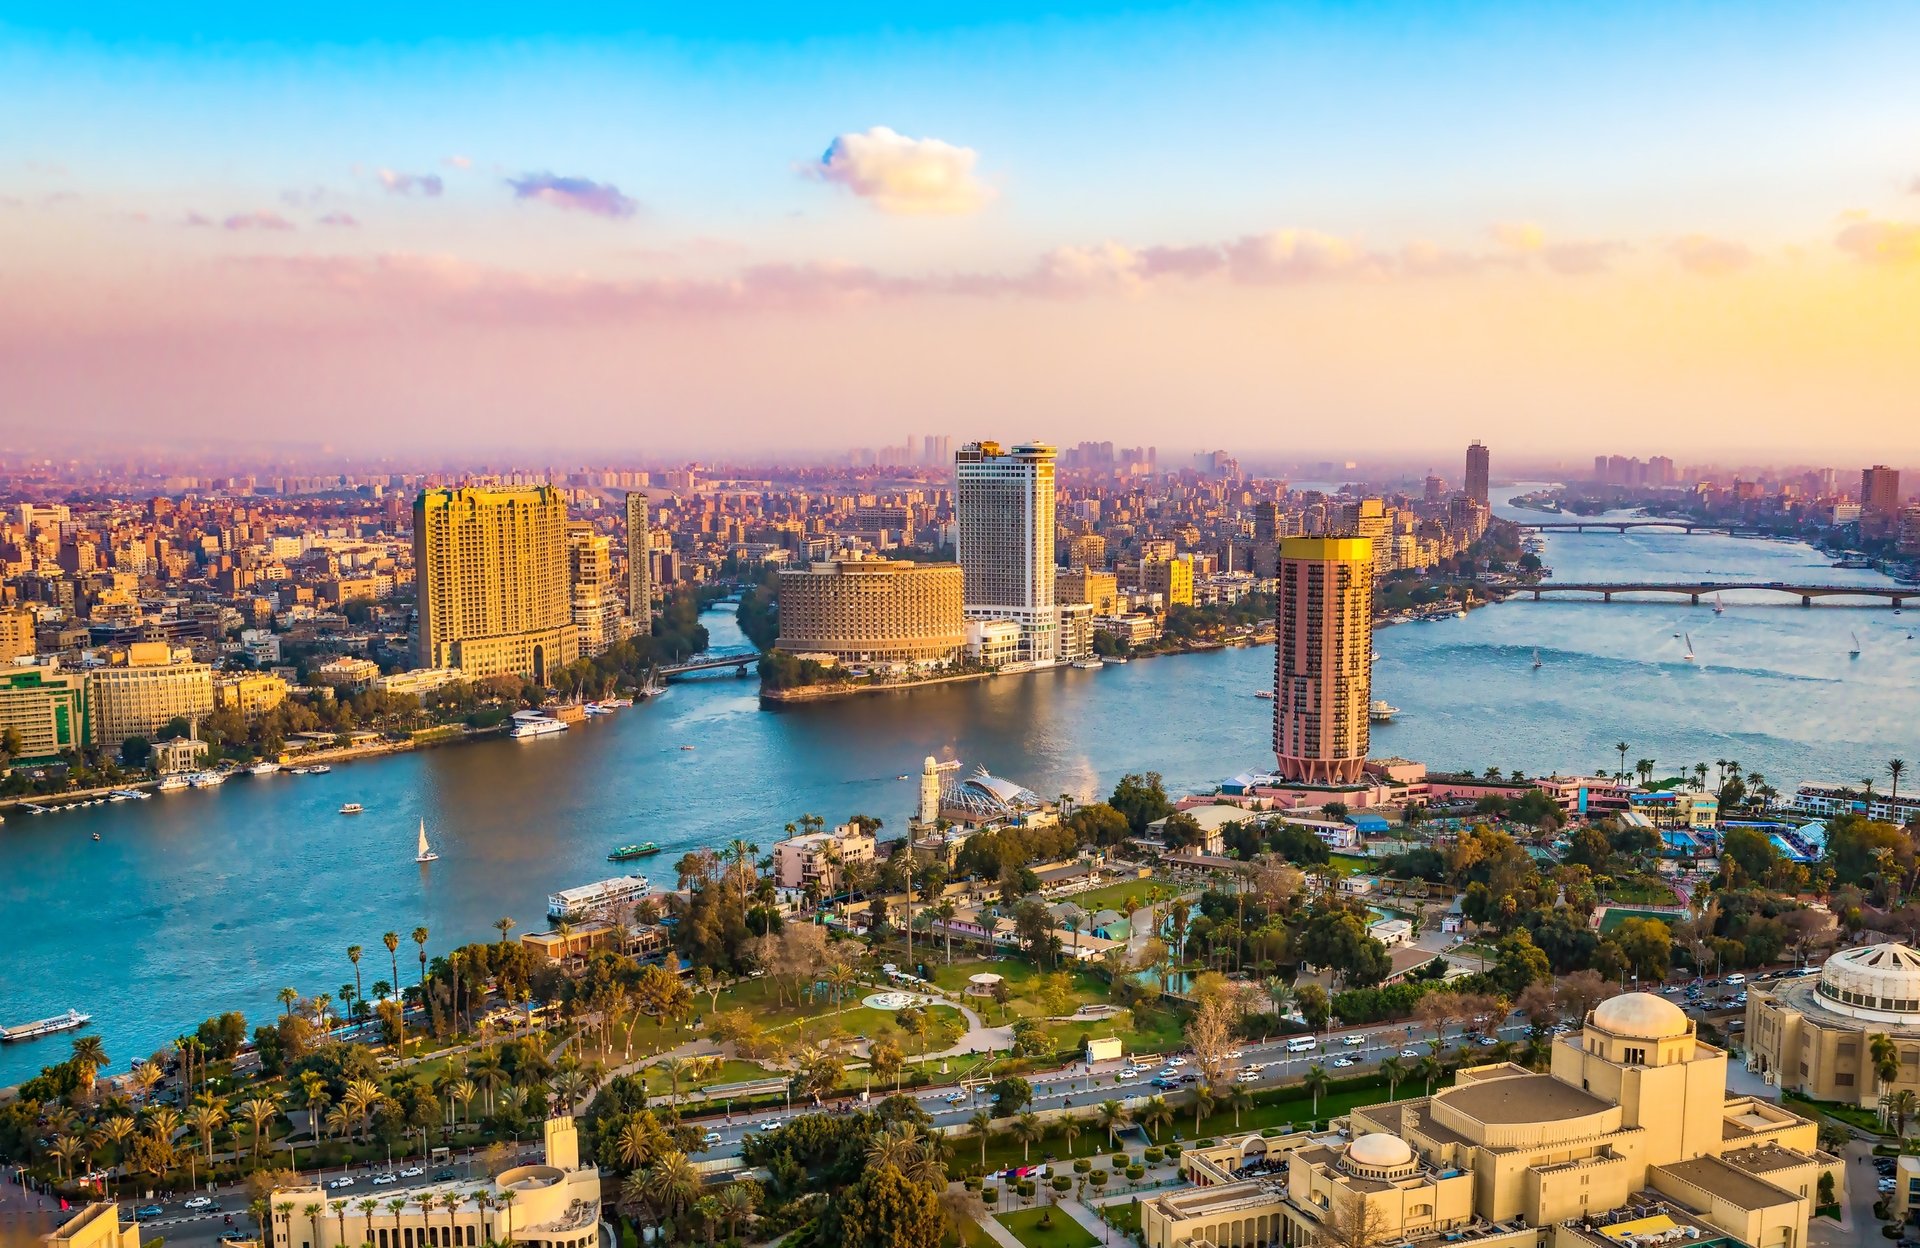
[214, 899]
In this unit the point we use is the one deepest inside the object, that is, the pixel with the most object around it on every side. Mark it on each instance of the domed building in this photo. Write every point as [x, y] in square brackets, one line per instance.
[1630, 1125]
[1815, 1034]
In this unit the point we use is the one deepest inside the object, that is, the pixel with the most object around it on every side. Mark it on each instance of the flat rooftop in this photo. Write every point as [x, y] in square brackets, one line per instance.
[1524, 1098]
[1203, 1202]
[1710, 1174]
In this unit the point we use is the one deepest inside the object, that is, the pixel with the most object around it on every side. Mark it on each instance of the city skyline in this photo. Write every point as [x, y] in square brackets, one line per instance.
[724, 231]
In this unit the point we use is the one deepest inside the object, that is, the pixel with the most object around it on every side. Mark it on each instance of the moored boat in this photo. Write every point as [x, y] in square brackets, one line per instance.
[1381, 711]
[627, 852]
[207, 779]
[528, 724]
[265, 767]
[46, 1026]
[173, 783]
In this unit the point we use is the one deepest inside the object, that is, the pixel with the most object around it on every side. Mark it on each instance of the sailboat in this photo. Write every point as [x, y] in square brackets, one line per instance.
[425, 853]
[1719, 608]
[1855, 652]
[1689, 654]
[1536, 657]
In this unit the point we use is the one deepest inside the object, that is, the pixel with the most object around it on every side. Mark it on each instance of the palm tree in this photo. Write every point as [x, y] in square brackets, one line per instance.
[1241, 1097]
[1316, 1081]
[353, 956]
[119, 1129]
[1113, 1118]
[89, 1058]
[737, 1202]
[1896, 767]
[1393, 1070]
[396, 1207]
[64, 1149]
[1886, 1059]
[367, 1206]
[503, 926]
[1155, 1114]
[259, 1112]
[1428, 1068]
[420, 941]
[1900, 1107]
[463, 1091]
[980, 1124]
[1204, 1101]
[504, 1201]
[669, 1184]
[1623, 747]
[1070, 1126]
[675, 1069]
[287, 997]
[1028, 1129]
[312, 1212]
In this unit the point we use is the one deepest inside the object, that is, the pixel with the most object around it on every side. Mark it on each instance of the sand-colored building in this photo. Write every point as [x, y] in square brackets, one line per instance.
[45, 704]
[550, 1205]
[873, 611]
[97, 1225]
[252, 694]
[1631, 1126]
[823, 856]
[16, 634]
[1815, 1034]
[494, 592]
[156, 685]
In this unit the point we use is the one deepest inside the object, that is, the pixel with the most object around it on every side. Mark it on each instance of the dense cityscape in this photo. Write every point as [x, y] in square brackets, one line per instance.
[1210, 625]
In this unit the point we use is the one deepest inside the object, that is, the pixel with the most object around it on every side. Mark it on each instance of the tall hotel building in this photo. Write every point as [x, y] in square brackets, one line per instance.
[1003, 513]
[1322, 660]
[1479, 459]
[492, 571]
[639, 570]
[1879, 500]
[885, 611]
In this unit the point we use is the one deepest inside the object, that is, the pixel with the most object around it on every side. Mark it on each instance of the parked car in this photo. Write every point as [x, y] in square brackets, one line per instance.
[1343, 1062]
[382, 1180]
[956, 1098]
[1132, 1072]
[1160, 1081]
[343, 1181]
[413, 1172]
[1354, 1042]
[197, 1202]
[1176, 1061]
[445, 1175]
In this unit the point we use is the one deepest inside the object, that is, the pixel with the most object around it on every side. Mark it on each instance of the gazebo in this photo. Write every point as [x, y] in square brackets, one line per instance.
[983, 984]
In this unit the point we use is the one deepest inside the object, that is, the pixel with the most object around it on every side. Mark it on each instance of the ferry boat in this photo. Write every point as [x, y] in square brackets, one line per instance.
[534, 724]
[207, 779]
[352, 808]
[627, 853]
[1381, 712]
[597, 898]
[45, 1026]
[173, 783]
[265, 768]
[129, 795]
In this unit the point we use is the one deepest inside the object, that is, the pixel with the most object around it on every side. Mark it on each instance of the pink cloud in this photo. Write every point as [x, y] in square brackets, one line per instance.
[1710, 257]
[1884, 244]
[574, 194]
[903, 175]
[427, 184]
[343, 219]
[259, 219]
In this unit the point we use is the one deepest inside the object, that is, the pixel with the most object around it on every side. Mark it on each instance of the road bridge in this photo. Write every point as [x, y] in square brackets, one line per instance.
[1893, 595]
[710, 663]
[1621, 526]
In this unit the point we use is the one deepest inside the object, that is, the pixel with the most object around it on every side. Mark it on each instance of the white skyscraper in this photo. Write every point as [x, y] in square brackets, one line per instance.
[1003, 537]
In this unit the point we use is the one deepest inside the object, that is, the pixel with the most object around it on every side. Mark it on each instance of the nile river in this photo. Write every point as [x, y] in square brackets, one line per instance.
[207, 900]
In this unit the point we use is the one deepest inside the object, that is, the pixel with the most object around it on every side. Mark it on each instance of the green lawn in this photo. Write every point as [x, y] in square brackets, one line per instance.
[1617, 915]
[1353, 864]
[1123, 1218]
[1112, 896]
[1063, 1231]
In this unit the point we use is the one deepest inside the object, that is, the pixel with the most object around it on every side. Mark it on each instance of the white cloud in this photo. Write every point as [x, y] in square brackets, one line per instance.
[902, 175]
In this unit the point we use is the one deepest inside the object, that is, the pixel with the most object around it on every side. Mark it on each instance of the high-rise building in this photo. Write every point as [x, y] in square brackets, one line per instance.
[1266, 538]
[16, 634]
[1323, 658]
[491, 571]
[1479, 459]
[1003, 538]
[155, 686]
[1879, 500]
[639, 564]
[596, 612]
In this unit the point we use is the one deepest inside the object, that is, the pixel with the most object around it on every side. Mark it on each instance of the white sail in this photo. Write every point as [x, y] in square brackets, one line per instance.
[424, 853]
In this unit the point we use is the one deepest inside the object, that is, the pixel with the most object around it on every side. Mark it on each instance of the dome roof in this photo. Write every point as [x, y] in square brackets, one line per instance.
[1641, 1015]
[1380, 1150]
[1876, 981]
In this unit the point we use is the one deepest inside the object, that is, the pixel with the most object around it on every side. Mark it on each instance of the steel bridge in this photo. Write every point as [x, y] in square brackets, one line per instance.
[1893, 595]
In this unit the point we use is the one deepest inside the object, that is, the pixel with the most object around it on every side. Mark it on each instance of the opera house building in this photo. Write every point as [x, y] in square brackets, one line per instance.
[1630, 1140]
[1815, 1035]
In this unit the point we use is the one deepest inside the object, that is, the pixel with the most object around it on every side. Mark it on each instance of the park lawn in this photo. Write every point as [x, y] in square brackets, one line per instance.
[1158, 1031]
[1111, 896]
[1124, 1218]
[973, 1235]
[1616, 915]
[1352, 864]
[1064, 1232]
[1017, 971]
[1641, 891]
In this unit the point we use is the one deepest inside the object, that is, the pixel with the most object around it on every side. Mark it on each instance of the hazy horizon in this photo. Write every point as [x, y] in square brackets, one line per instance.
[1317, 233]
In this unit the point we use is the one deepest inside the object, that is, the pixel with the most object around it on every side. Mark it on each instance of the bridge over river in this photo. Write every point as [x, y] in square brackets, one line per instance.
[709, 663]
[1621, 526]
[1893, 595]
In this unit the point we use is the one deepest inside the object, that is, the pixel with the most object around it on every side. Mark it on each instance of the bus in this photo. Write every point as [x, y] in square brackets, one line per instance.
[1302, 1044]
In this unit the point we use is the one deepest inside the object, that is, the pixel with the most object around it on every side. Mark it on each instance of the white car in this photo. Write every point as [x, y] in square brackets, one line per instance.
[712, 1137]
[1131, 1072]
[1354, 1042]
[382, 1180]
[956, 1098]
[198, 1202]
[1249, 1075]
[1343, 1061]
[1409, 1052]
[1487, 1042]
[1176, 1062]
[346, 1182]
[413, 1172]
[1234, 1055]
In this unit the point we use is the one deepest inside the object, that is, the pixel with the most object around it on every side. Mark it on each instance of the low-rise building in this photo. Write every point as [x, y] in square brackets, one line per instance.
[97, 1225]
[347, 672]
[993, 643]
[555, 1204]
[822, 856]
[420, 681]
[874, 611]
[1815, 1034]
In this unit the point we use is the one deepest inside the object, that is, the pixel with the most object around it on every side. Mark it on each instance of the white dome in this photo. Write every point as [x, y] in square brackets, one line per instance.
[1879, 982]
[1379, 1151]
[1640, 1015]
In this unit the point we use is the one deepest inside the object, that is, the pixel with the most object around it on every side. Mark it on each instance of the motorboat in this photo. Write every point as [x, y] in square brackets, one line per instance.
[1265, 695]
[528, 724]
[627, 853]
[264, 768]
[207, 779]
[173, 783]
[1382, 712]
[353, 808]
[318, 769]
